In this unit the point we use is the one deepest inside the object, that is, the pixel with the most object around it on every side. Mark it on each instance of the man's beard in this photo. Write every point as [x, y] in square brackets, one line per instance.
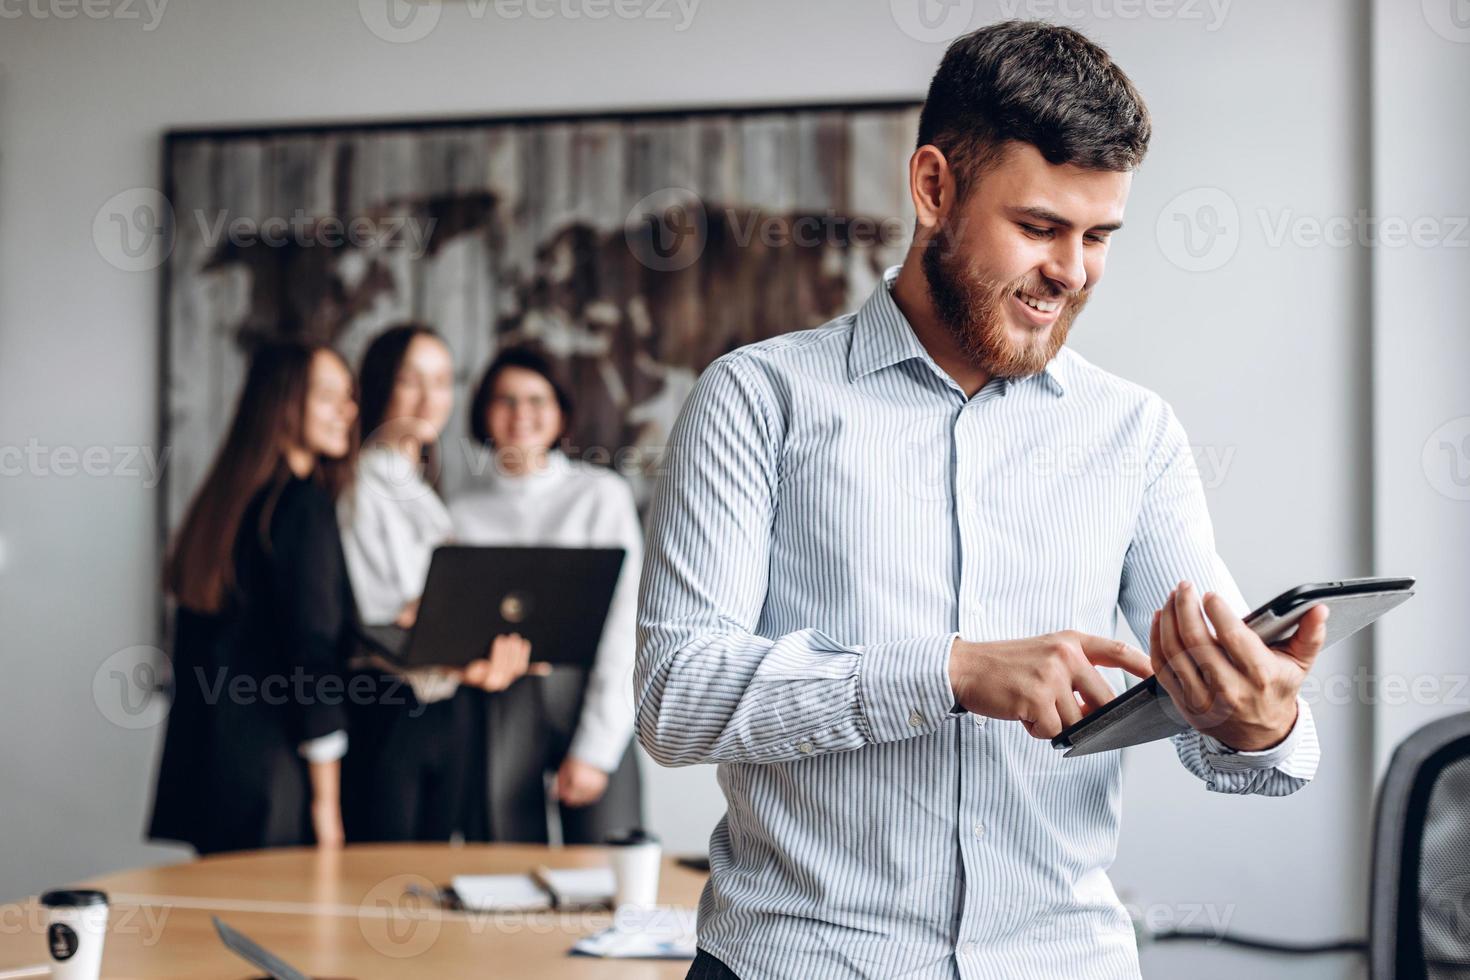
[974, 313]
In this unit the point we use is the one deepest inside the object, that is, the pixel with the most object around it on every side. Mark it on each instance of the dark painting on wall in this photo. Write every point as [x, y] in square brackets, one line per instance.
[634, 249]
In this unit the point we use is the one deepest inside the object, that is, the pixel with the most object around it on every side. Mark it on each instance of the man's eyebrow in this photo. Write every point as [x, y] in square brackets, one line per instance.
[1046, 214]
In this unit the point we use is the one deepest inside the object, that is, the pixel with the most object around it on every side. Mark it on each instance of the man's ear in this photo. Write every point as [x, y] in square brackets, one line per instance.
[931, 185]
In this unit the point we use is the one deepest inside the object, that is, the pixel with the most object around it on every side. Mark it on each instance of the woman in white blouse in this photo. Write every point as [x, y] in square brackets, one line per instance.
[416, 751]
[576, 723]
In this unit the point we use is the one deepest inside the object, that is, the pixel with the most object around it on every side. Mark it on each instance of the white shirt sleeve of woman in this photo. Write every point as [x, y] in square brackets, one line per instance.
[606, 724]
[371, 558]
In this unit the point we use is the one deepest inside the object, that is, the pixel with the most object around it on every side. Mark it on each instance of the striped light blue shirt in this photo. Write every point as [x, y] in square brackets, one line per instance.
[833, 512]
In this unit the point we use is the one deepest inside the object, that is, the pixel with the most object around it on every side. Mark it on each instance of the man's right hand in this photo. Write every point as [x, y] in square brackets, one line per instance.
[1038, 681]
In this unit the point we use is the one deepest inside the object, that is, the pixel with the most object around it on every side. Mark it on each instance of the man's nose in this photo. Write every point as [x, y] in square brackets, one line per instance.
[1065, 267]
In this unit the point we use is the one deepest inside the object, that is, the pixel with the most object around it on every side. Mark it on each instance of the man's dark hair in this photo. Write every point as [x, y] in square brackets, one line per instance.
[1037, 83]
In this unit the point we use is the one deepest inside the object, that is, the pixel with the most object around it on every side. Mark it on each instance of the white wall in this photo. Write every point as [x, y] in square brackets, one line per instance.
[1265, 357]
[1421, 404]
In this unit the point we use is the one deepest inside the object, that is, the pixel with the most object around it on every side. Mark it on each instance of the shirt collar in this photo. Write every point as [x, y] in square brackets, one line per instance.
[882, 337]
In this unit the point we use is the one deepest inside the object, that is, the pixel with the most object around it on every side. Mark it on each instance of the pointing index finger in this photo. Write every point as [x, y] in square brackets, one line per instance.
[1115, 653]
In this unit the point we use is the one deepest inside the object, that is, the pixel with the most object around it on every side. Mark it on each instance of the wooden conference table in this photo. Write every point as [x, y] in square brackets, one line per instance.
[346, 914]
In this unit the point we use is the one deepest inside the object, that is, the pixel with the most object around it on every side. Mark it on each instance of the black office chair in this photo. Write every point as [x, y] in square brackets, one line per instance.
[1419, 902]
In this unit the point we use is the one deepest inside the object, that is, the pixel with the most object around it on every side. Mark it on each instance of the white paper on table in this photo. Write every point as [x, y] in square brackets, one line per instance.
[662, 932]
[579, 886]
[496, 893]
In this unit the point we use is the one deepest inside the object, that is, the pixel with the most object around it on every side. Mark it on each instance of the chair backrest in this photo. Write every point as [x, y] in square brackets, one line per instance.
[1419, 902]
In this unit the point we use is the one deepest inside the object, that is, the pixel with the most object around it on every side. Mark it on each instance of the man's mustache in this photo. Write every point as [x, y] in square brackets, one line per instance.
[1047, 291]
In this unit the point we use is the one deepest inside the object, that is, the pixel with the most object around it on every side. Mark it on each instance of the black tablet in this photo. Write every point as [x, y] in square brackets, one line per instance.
[1145, 712]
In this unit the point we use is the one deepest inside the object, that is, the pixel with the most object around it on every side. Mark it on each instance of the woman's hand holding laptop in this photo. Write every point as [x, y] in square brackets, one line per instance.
[506, 662]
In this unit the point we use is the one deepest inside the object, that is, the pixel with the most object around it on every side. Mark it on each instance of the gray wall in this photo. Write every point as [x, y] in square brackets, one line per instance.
[1261, 338]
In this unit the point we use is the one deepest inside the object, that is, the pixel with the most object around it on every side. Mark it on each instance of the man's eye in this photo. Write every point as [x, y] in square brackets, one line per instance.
[1097, 239]
[1036, 232]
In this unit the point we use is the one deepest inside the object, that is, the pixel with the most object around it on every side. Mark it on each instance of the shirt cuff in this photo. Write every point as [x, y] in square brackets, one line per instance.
[431, 684]
[604, 753]
[903, 687]
[1222, 758]
[328, 748]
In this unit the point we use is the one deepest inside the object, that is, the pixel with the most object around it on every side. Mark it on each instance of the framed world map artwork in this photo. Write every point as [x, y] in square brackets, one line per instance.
[632, 248]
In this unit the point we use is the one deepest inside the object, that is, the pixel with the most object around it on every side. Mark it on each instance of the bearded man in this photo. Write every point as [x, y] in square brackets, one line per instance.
[886, 558]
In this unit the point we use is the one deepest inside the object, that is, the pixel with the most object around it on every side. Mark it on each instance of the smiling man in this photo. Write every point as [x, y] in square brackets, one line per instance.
[887, 557]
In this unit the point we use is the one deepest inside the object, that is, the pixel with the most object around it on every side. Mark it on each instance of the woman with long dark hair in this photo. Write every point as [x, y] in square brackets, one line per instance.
[412, 755]
[264, 619]
[576, 723]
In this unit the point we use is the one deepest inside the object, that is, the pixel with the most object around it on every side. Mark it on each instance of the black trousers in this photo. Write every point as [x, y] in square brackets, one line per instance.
[706, 967]
[407, 767]
[528, 730]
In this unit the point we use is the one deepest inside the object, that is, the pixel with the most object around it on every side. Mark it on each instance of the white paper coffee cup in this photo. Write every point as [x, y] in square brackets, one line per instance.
[76, 928]
[636, 858]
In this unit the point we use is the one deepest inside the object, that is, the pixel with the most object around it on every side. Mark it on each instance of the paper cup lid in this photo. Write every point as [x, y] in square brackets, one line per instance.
[632, 838]
[73, 898]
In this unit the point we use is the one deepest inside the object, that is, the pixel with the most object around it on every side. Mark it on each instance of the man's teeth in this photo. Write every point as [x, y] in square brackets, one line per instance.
[1039, 304]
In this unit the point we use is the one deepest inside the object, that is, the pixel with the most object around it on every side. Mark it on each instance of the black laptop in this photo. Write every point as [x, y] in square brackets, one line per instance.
[557, 598]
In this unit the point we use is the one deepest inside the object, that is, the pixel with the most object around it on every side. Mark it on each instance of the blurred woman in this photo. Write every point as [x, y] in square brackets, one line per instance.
[576, 723]
[264, 619]
[414, 752]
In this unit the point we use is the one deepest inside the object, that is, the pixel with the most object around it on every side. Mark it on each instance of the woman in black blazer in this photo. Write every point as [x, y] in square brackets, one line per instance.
[264, 619]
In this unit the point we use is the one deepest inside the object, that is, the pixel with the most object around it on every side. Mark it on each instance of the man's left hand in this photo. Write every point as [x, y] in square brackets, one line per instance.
[1229, 684]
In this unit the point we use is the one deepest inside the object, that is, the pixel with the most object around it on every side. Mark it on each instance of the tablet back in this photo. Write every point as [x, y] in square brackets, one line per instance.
[1151, 714]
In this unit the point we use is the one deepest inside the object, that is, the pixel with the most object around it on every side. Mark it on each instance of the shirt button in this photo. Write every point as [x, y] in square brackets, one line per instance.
[805, 748]
[979, 830]
[916, 719]
[969, 948]
[979, 720]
